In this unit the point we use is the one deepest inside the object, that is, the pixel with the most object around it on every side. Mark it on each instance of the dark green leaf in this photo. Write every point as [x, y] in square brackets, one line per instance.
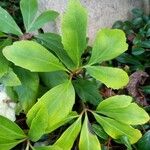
[87, 91]
[99, 131]
[137, 12]
[51, 79]
[127, 58]
[28, 90]
[137, 50]
[146, 89]
[144, 142]
[145, 44]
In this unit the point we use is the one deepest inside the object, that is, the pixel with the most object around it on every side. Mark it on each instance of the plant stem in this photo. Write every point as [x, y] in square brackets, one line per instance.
[28, 145]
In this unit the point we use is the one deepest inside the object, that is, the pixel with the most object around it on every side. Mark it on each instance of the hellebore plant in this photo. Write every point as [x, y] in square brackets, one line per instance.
[116, 115]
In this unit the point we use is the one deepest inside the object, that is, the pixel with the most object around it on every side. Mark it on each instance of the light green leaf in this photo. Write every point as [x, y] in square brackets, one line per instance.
[10, 79]
[109, 43]
[117, 129]
[28, 90]
[10, 130]
[47, 148]
[7, 144]
[112, 77]
[88, 140]
[119, 107]
[29, 9]
[7, 23]
[74, 24]
[51, 79]
[39, 124]
[32, 56]
[53, 42]
[59, 102]
[139, 115]
[10, 134]
[69, 118]
[45, 17]
[115, 102]
[67, 139]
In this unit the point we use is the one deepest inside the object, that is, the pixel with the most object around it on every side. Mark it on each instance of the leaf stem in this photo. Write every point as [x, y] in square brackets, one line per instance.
[28, 145]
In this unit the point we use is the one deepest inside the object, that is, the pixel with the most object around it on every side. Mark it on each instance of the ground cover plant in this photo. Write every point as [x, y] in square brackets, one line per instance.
[55, 81]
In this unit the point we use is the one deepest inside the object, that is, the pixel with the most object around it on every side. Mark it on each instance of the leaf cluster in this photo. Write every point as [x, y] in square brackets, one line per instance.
[54, 87]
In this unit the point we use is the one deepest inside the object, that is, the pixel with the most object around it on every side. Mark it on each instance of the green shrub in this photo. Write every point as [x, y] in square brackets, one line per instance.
[28, 66]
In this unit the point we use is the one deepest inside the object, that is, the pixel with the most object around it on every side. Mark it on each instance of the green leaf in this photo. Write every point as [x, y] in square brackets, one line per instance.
[112, 77]
[59, 102]
[32, 56]
[28, 90]
[99, 131]
[146, 89]
[119, 107]
[29, 9]
[6, 144]
[7, 23]
[124, 140]
[10, 79]
[128, 59]
[69, 135]
[137, 51]
[47, 148]
[51, 79]
[87, 91]
[117, 129]
[143, 143]
[44, 18]
[39, 124]
[4, 64]
[88, 140]
[10, 130]
[74, 24]
[115, 102]
[53, 42]
[139, 115]
[68, 119]
[145, 44]
[10, 134]
[137, 12]
[109, 43]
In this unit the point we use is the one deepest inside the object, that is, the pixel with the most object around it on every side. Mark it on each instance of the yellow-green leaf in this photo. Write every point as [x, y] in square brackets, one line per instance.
[115, 102]
[59, 102]
[32, 56]
[88, 139]
[109, 43]
[29, 9]
[112, 77]
[67, 139]
[39, 124]
[74, 24]
[117, 129]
